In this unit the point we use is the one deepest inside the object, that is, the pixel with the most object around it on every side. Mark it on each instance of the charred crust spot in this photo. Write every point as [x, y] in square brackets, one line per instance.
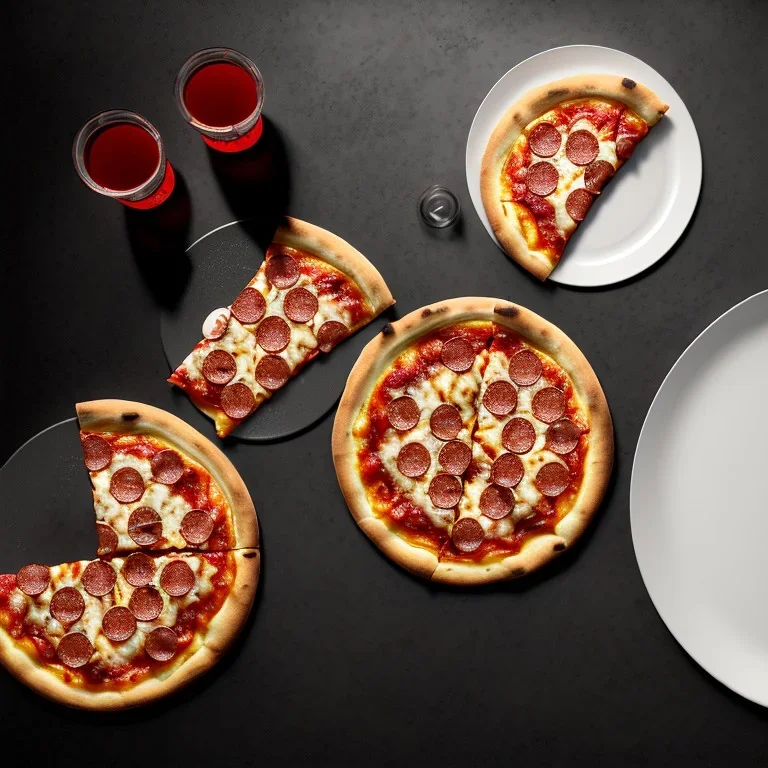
[388, 330]
[426, 312]
[559, 547]
[130, 416]
[249, 555]
[506, 311]
[517, 573]
[557, 92]
[627, 83]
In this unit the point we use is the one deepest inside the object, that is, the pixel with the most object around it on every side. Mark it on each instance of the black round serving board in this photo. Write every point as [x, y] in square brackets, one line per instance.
[221, 264]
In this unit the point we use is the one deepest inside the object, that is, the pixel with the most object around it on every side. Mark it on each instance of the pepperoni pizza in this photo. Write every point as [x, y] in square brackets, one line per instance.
[312, 291]
[473, 442]
[120, 631]
[552, 153]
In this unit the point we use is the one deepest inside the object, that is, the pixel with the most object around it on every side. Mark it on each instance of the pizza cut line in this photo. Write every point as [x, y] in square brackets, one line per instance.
[551, 155]
[178, 566]
[312, 291]
[473, 442]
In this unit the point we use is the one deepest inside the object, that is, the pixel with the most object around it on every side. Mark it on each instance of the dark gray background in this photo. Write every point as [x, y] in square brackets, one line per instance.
[348, 660]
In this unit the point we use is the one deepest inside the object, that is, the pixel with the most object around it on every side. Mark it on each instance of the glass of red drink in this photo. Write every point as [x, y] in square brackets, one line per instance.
[120, 154]
[220, 92]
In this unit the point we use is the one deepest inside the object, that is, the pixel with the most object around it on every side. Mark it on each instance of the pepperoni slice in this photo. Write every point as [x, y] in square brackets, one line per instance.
[74, 650]
[467, 534]
[457, 354]
[552, 479]
[282, 271]
[177, 578]
[548, 404]
[496, 502]
[500, 398]
[625, 147]
[454, 457]
[445, 491]
[33, 579]
[138, 569]
[145, 526]
[99, 578]
[196, 527]
[403, 413]
[161, 644]
[544, 140]
[250, 306]
[413, 460]
[563, 436]
[445, 422]
[107, 539]
[581, 147]
[507, 471]
[300, 305]
[167, 467]
[274, 334]
[597, 175]
[578, 203]
[542, 178]
[118, 624]
[237, 400]
[126, 485]
[272, 372]
[146, 603]
[67, 605]
[525, 368]
[219, 367]
[97, 452]
[330, 334]
[518, 435]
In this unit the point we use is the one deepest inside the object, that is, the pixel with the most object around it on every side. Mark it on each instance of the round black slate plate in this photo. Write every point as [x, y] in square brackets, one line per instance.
[221, 264]
[47, 504]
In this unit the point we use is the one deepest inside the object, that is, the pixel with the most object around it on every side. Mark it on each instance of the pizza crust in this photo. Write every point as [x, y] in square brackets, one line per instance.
[378, 356]
[501, 215]
[191, 663]
[126, 416]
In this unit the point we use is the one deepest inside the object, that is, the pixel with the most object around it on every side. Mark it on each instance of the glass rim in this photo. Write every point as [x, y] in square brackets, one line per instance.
[209, 56]
[112, 117]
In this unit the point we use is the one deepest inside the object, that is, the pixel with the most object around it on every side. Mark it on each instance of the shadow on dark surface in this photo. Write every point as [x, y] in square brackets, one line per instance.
[453, 232]
[158, 241]
[195, 689]
[256, 183]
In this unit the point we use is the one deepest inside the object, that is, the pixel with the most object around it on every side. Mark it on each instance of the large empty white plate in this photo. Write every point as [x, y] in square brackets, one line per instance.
[699, 499]
[646, 208]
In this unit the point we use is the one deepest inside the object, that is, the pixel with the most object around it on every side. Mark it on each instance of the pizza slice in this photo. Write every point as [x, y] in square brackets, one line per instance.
[109, 634]
[159, 484]
[312, 291]
[552, 153]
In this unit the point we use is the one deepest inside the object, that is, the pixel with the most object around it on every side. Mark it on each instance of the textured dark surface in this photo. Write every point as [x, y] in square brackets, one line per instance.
[348, 660]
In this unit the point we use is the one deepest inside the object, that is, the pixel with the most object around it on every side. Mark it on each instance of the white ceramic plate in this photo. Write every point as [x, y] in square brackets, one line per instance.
[646, 208]
[699, 499]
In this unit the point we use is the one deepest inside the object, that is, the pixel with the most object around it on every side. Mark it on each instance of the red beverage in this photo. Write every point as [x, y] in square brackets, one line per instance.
[220, 92]
[119, 154]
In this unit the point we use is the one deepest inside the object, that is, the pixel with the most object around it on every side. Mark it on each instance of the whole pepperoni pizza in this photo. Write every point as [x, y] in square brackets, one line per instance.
[178, 542]
[552, 153]
[473, 442]
[311, 292]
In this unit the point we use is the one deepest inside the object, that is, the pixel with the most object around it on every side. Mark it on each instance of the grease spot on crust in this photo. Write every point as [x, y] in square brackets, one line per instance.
[130, 416]
[559, 547]
[556, 92]
[388, 330]
[426, 312]
[249, 555]
[518, 572]
[510, 311]
[627, 83]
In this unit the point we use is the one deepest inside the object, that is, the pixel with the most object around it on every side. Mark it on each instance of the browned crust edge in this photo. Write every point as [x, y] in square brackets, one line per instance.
[534, 103]
[378, 355]
[131, 417]
[221, 632]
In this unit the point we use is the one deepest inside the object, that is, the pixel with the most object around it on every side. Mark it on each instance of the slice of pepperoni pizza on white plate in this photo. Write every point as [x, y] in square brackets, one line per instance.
[552, 153]
[509, 487]
[159, 484]
[311, 292]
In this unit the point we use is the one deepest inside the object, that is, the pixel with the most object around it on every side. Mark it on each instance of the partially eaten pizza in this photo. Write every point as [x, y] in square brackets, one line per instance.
[473, 442]
[312, 291]
[551, 155]
[178, 546]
